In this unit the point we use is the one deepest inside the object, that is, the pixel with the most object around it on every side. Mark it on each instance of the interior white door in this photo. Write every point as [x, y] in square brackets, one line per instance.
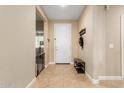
[62, 43]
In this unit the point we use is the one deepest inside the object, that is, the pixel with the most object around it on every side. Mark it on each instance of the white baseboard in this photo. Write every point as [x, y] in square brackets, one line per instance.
[55, 63]
[51, 62]
[72, 63]
[110, 78]
[94, 81]
[31, 83]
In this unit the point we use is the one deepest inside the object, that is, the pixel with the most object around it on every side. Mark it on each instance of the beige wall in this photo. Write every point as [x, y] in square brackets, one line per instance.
[99, 39]
[107, 24]
[17, 51]
[113, 64]
[86, 21]
[17, 48]
[102, 29]
[74, 38]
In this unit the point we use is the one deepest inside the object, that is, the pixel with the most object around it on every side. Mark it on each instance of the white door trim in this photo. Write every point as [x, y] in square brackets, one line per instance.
[122, 45]
[55, 42]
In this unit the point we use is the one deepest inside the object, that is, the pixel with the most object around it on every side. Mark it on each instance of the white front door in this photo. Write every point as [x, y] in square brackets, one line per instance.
[62, 43]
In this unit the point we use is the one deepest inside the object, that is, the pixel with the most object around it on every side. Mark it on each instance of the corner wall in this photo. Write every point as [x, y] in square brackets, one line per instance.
[99, 41]
[102, 31]
[86, 21]
[113, 55]
[17, 45]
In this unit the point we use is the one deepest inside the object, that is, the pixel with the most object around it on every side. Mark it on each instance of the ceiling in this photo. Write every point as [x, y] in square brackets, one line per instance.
[59, 12]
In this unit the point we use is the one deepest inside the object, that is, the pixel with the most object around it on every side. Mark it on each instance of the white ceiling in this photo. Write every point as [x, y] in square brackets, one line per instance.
[57, 12]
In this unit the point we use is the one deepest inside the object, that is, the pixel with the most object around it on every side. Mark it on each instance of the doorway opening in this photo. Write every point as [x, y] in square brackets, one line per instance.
[62, 43]
[39, 44]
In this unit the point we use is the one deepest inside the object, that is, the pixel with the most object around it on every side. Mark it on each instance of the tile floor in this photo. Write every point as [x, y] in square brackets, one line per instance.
[65, 76]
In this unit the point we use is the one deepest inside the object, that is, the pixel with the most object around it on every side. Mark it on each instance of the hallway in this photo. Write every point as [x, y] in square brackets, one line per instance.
[59, 76]
[65, 76]
[34, 37]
